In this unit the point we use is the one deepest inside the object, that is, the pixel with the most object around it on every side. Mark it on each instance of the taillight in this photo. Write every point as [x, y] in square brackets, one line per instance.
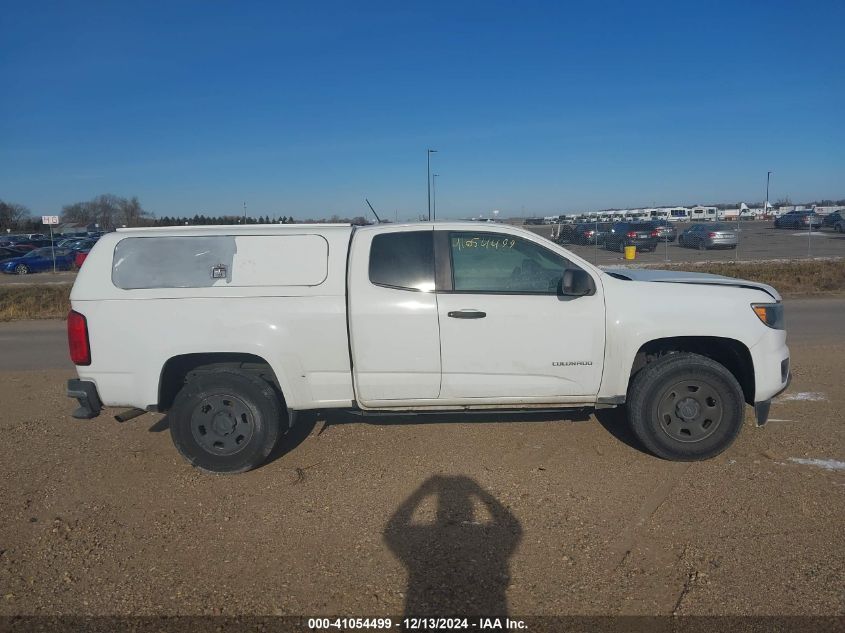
[77, 339]
[711, 235]
[631, 234]
[589, 233]
[655, 234]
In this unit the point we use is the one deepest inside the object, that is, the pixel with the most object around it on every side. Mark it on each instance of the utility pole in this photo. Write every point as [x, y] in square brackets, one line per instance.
[434, 196]
[766, 209]
[244, 212]
[428, 179]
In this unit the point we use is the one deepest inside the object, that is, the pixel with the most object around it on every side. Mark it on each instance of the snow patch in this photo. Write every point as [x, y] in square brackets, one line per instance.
[827, 464]
[810, 396]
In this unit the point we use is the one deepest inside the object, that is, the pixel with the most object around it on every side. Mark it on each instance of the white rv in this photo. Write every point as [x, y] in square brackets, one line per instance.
[704, 214]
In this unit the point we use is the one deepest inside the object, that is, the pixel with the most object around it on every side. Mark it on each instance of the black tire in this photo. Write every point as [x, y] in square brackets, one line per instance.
[245, 430]
[21, 269]
[702, 245]
[714, 410]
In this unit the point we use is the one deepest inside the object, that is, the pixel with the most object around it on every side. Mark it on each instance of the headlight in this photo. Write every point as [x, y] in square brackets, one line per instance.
[770, 313]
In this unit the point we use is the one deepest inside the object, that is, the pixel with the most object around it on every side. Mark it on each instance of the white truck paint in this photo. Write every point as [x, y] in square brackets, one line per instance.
[301, 299]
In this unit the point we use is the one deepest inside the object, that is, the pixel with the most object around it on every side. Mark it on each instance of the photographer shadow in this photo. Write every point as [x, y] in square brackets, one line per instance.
[456, 540]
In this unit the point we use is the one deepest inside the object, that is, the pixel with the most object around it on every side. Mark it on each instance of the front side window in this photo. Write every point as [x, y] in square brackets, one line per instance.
[403, 260]
[491, 262]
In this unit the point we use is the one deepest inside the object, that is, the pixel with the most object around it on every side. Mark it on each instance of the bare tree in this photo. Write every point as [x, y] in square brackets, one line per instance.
[107, 210]
[12, 215]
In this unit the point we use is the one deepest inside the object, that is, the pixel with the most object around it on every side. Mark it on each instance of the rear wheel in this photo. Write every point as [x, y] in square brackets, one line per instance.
[685, 407]
[226, 421]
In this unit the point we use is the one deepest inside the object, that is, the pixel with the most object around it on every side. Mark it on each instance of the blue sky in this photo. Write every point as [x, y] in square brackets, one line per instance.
[304, 109]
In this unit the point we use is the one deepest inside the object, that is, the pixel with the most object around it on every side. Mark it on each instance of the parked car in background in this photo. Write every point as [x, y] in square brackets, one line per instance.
[643, 235]
[705, 236]
[39, 243]
[798, 220]
[38, 260]
[22, 246]
[79, 258]
[831, 219]
[81, 245]
[11, 240]
[10, 252]
[666, 231]
[590, 233]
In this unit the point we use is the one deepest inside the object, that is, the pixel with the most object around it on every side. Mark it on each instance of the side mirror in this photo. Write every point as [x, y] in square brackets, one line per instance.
[576, 283]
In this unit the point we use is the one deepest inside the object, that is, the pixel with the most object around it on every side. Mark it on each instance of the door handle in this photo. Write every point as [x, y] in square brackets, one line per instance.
[467, 314]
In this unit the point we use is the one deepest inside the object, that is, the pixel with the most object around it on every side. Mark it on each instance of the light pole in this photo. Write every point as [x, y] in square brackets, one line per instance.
[768, 176]
[434, 196]
[428, 179]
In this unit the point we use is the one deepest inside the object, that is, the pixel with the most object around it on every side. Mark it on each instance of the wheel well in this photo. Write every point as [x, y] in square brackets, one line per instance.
[730, 353]
[179, 369]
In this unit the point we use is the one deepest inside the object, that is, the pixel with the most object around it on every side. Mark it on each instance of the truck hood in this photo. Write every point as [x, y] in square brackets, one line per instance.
[683, 277]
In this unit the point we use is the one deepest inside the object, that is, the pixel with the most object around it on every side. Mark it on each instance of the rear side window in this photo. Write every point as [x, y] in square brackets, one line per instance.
[403, 260]
[220, 260]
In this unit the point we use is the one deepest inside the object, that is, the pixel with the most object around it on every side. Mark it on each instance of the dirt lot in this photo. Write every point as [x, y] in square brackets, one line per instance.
[371, 517]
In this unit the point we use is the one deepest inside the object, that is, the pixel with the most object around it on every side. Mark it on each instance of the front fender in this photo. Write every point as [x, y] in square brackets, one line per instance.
[639, 312]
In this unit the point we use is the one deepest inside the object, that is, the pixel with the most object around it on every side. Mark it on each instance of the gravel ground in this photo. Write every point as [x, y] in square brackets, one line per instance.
[531, 514]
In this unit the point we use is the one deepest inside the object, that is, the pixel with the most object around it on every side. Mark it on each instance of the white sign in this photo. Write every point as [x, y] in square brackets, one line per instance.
[49, 219]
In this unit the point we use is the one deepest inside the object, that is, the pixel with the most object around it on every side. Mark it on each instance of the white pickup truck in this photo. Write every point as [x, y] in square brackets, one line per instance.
[233, 330]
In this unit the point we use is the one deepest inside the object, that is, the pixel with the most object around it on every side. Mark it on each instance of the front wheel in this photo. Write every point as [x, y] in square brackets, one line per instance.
[685, 407]
[21, 269]
[226, 421]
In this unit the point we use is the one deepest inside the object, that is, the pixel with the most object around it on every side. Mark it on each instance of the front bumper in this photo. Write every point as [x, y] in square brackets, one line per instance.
[761, 409]
[85, 393]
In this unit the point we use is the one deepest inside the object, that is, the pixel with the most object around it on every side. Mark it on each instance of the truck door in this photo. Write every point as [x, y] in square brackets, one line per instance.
[393, 324]
[506, 333]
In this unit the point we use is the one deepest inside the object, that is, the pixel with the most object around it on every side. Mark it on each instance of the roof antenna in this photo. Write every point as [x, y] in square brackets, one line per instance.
[373, 210]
